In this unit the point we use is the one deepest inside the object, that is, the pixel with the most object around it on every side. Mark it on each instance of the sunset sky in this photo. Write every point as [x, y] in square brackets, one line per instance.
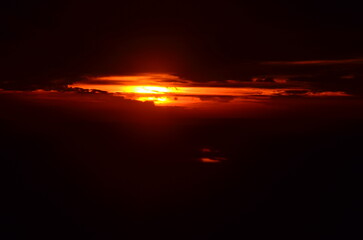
[201, 49]
[181, 119]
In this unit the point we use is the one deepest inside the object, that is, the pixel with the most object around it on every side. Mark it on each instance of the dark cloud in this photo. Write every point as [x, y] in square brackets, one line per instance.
[317, 62]
[217, 98]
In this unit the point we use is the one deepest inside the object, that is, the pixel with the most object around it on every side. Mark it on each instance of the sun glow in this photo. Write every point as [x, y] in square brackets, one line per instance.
[149, 89]
[167, 89]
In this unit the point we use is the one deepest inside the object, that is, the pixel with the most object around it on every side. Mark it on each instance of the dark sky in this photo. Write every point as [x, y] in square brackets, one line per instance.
[49, 40]
[106, 167]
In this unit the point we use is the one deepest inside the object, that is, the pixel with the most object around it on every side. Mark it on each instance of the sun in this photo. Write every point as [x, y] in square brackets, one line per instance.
[149, 89]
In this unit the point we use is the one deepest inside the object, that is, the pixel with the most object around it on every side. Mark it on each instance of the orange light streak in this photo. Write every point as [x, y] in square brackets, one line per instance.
[171, 90]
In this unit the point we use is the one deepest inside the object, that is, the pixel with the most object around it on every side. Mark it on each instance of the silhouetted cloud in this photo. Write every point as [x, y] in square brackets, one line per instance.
[317, 62]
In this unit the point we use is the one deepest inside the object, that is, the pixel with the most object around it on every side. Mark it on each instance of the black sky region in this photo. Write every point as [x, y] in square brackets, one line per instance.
[199, 40]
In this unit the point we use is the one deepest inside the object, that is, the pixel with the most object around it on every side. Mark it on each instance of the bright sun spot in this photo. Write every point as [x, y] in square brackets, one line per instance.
[149, 89]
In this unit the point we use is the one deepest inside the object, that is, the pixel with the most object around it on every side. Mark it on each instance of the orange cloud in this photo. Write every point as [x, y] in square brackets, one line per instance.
[167, 89]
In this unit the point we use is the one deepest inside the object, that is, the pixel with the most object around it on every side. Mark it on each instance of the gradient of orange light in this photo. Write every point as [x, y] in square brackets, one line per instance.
[227, 91]
[167, 89]
[195, 91]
